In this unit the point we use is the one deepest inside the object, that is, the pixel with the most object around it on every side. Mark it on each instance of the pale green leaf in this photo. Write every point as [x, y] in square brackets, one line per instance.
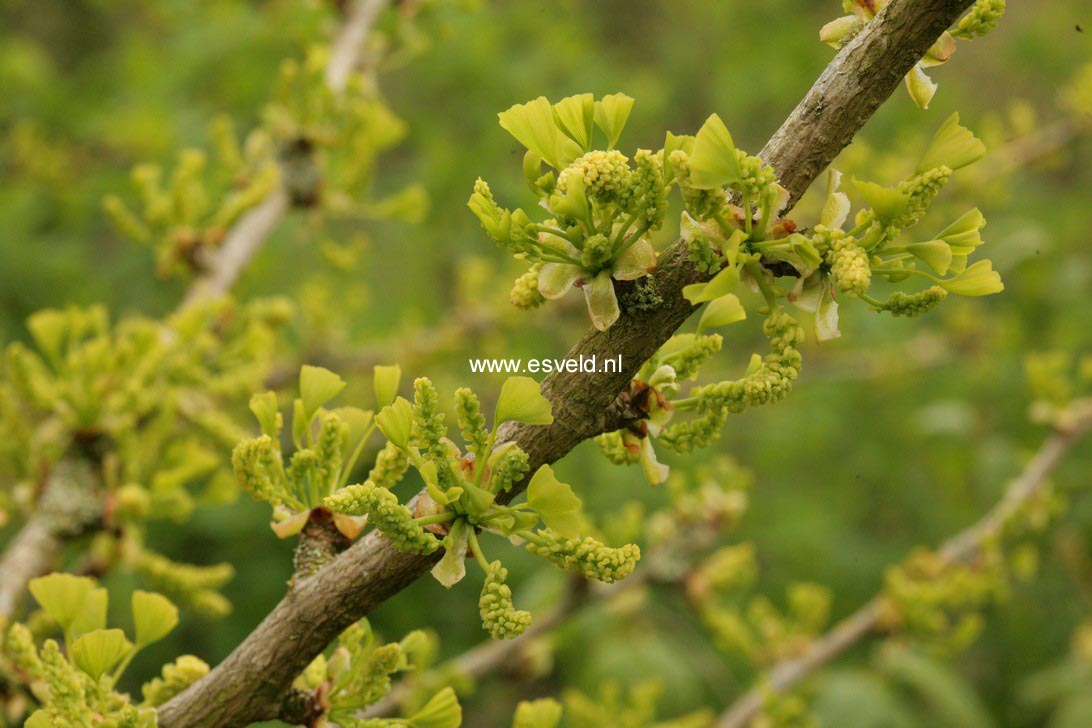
[953, 146]
[887, 202]
[264, 407]
[357, 420]
[521, 400]
[533, 126]
[98, 651]
[441, 711]
[575, 116]
[49, 327]
[723, 283]
[554, 502]
[39, 719]
[542, 713]
[154, 616]
[714, 161]
[979, 279]
[611, 114]
[936, 254]
[721, 312]
[93, 614]
[386, 379]
[317, 387]
[395, 421]
[451, 569]
[62, 596]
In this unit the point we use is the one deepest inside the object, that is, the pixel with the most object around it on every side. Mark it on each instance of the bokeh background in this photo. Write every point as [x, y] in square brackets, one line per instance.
[897, 435]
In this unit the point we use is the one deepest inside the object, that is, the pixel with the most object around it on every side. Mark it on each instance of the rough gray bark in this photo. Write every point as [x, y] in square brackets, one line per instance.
[249, 684]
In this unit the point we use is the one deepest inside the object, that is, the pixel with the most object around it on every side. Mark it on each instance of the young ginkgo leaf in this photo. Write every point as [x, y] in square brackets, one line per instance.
[721, 312]
[395, 421]
[265, 409]
[452, 567]
[317, 387]
[98, 651]
[521, 400]
[554, 502]
[386, 379]
[575, 116]
[533, 126]
[980, 279]
[441, 711]
[954, 146]
[714, 161]
[887, 202]
[63, 596]
[542, 713]
[611, 114]
[154, 616]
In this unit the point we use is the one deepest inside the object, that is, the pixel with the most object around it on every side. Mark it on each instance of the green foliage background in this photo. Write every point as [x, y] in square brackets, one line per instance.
[897, 435]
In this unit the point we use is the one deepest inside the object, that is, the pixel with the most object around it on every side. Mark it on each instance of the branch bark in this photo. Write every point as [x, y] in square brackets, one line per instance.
[249, 683]
[960, 548]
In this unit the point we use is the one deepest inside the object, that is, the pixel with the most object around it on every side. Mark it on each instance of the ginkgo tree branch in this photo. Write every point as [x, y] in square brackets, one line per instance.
[960, 548]
[248, 685]
[35, 549]
[254, 228]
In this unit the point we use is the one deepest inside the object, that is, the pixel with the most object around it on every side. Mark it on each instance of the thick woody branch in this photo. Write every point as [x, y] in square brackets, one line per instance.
[249, 683]
[962, 547]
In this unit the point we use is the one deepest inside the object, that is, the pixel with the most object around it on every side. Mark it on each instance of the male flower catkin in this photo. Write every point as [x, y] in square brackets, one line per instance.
[915, 304]
[587, 556]
[525, 294]
[176, 677]
[384, 512]
[602, 173]
[769, 382]
[982, 18]
[850, 266]
[499, 616]
[390, 465]
[922, 190]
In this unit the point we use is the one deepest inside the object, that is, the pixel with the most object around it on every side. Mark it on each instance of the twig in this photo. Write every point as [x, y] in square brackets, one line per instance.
[491, 655]
[34, 550]
[69, 504]
[252, 231]
[30, 554]
[866, 620]
[240, 246]
[658, 566]
[248, 683]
